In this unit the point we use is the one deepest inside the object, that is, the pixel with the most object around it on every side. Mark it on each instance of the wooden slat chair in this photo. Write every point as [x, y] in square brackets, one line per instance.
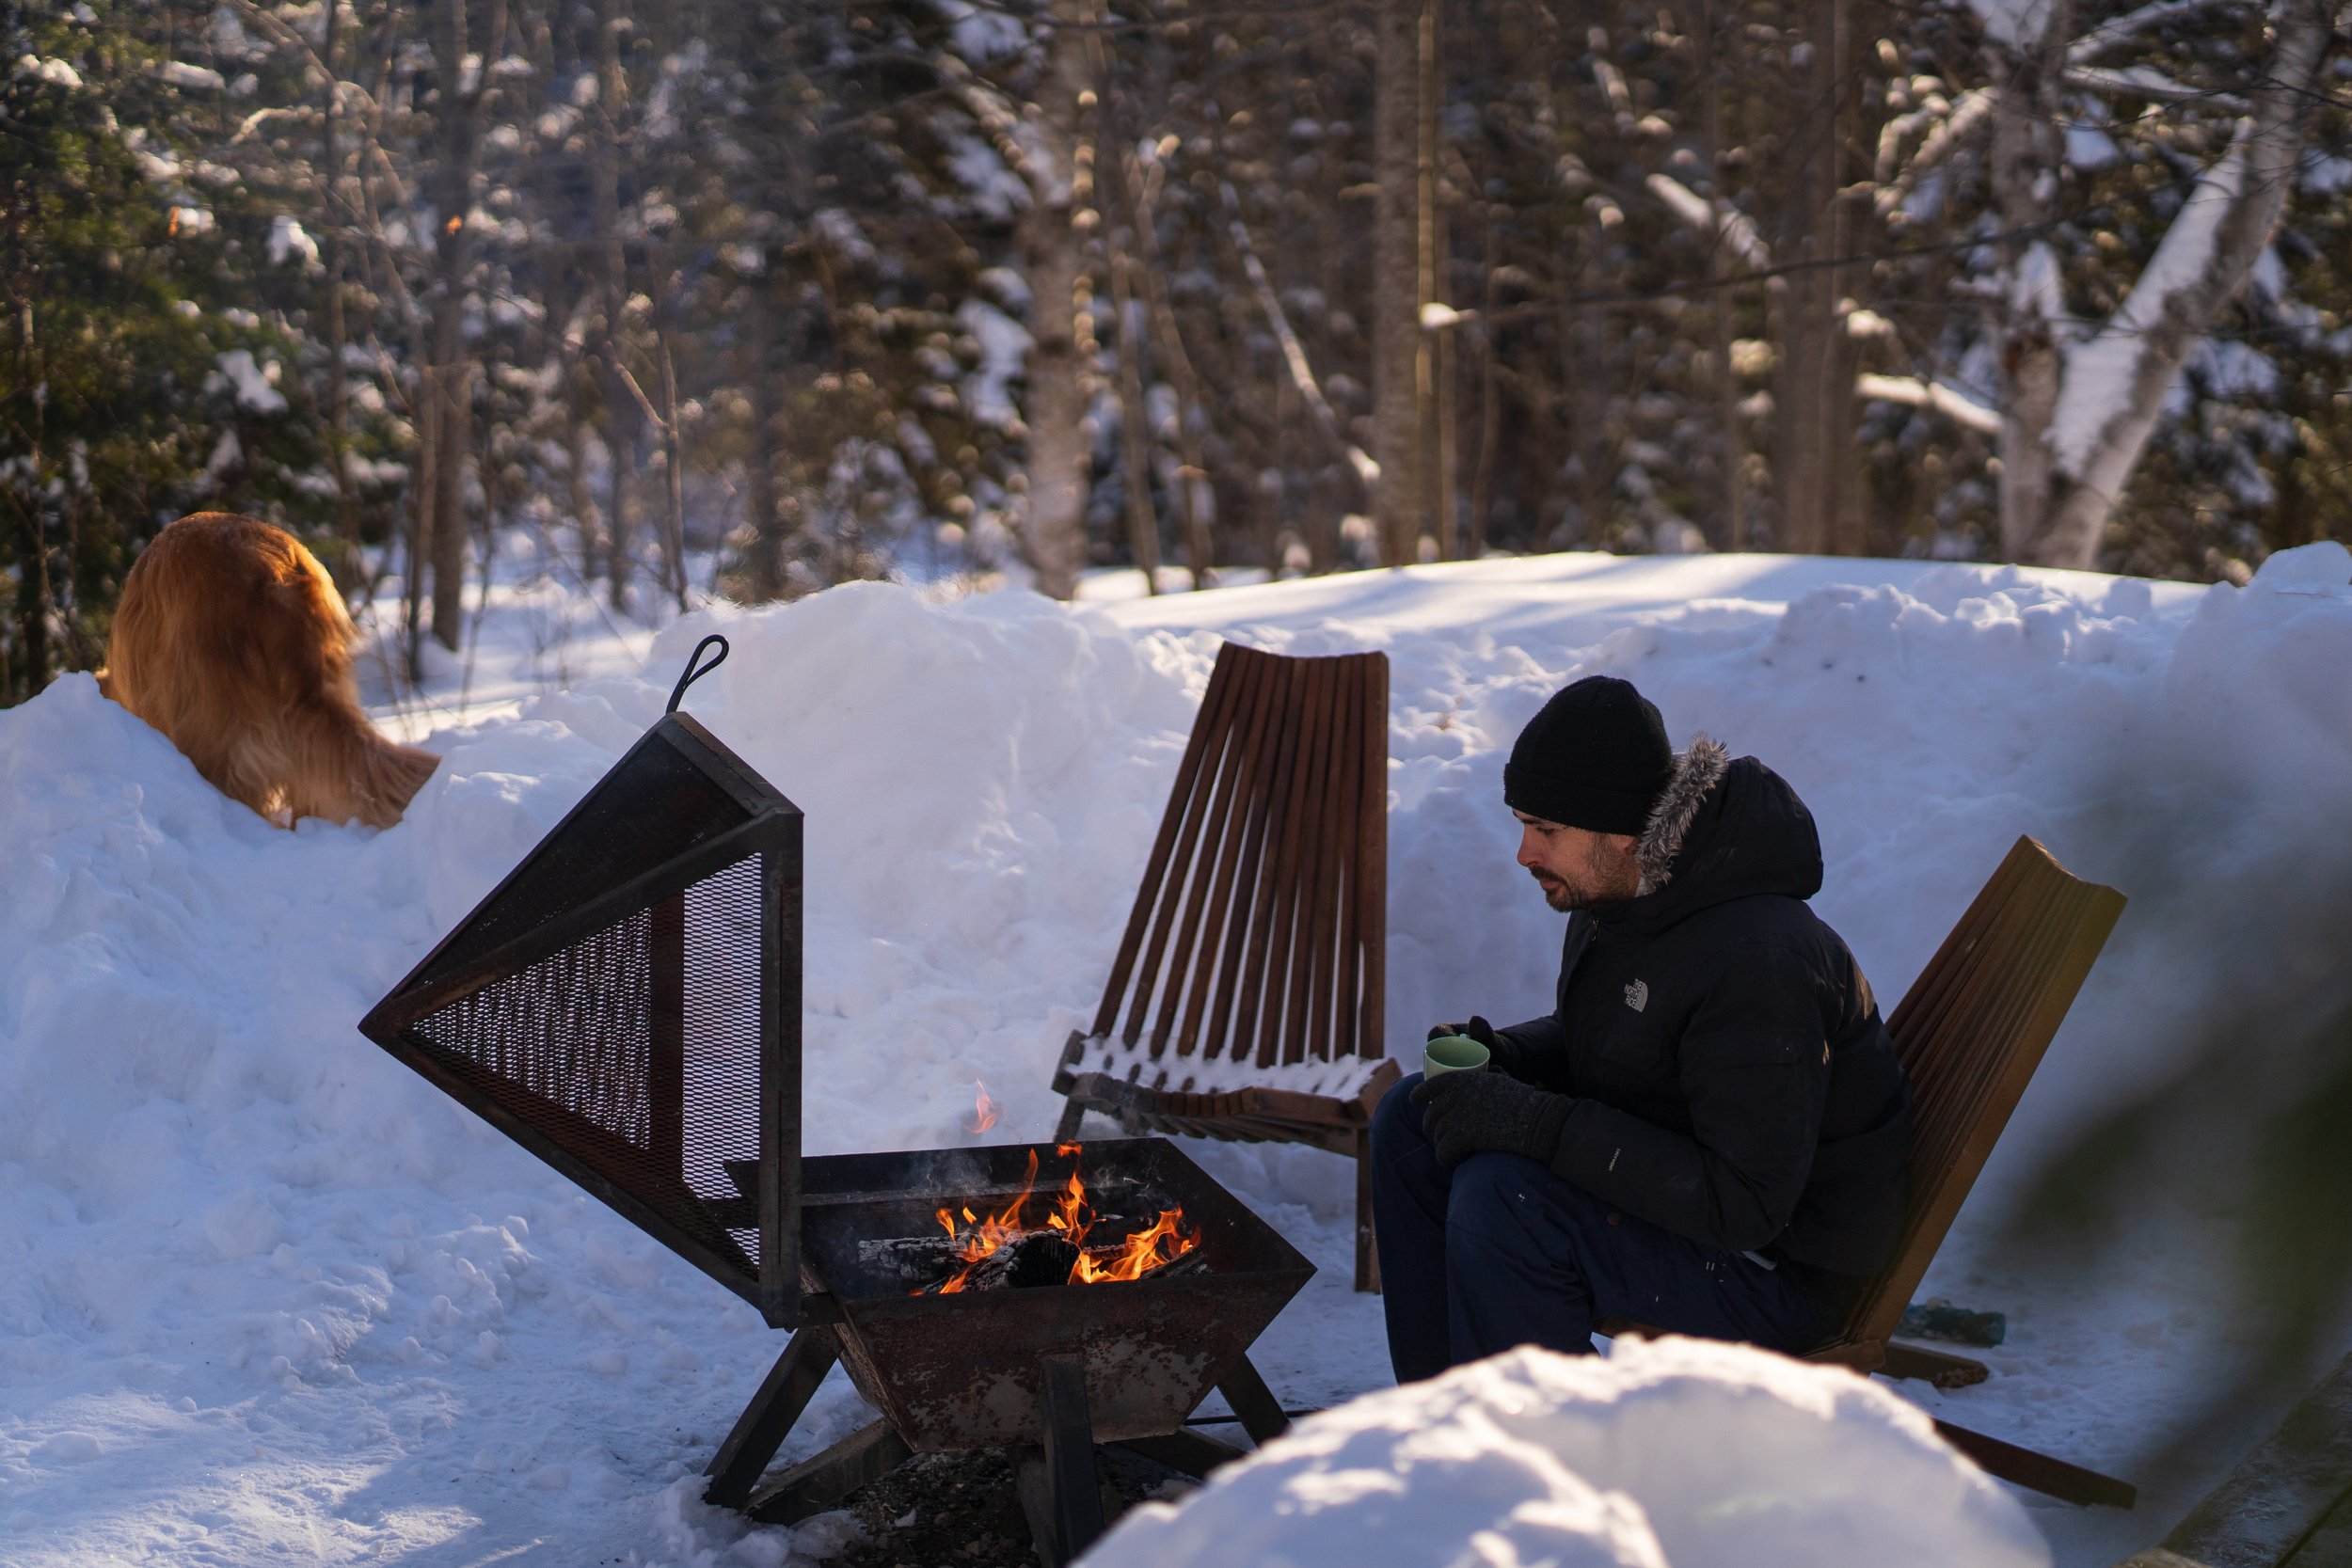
[1250, 974]
[1970, 1032]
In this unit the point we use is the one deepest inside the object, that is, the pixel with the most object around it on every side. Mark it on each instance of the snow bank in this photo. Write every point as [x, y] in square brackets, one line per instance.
[1678, 1452]
[265, 1294]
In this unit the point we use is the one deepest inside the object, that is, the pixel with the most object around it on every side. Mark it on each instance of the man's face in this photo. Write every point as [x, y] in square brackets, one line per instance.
[1575, 867]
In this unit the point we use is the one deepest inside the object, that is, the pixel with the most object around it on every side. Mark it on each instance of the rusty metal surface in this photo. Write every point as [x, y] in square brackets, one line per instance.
[956, 1371]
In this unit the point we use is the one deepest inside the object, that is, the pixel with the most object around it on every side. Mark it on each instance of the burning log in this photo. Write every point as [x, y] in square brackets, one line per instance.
[1006, 1247]
[1040, 1257]
[938, 1265]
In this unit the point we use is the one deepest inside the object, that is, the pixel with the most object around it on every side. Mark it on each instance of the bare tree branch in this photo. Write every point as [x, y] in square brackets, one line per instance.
[1293, 353]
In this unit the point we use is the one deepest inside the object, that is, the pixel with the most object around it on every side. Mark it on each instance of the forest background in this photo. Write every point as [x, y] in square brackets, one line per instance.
[754, 298]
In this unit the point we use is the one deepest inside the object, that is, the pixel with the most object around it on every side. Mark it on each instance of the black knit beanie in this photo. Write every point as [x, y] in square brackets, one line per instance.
[1595, 757]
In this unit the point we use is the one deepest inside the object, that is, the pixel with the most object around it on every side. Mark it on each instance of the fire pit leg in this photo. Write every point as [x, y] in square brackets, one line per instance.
[815, 1484]
[1259, 1412]
[1187, 1452]
[1059, 1488]
[761, 1431]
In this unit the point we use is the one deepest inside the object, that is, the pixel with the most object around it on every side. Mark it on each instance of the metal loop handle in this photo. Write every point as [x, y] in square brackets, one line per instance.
[696, 668]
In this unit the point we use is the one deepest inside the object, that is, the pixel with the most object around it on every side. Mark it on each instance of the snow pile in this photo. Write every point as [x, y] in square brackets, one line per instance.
[1678, 1452]
[267, 1296]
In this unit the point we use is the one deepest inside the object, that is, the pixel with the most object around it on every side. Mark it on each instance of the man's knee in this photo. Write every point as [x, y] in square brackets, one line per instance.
[1488, 1183]
[1496, 1194]
[1397, 1120]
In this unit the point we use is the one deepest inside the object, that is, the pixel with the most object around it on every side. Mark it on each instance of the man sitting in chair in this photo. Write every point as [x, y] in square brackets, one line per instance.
[1706, 1135]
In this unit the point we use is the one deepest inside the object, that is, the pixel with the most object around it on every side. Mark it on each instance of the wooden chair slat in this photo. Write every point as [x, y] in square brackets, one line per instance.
[1318, 914]
[1281, 935]
[1272, 739]
[1259, 972]
[1201, 885]
[1158, 901]
[1980, 920]
[1349, 785]
[1983, 1034]
[1371, 877]
[1213, 703]
[1243, 828]
[1941, 1048]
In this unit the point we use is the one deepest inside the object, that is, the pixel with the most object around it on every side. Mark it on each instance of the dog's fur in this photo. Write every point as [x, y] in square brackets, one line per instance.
[231, 640]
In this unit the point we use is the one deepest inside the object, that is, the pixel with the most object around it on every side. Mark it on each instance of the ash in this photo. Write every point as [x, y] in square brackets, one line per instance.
[960, 1508]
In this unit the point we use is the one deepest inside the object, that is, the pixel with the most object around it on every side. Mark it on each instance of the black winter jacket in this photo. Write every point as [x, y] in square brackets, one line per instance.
[1731, 1079]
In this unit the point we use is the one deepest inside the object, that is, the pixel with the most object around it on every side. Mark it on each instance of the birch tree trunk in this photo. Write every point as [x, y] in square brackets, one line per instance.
[1059, 457]
[2082, 402]
[1400, 493]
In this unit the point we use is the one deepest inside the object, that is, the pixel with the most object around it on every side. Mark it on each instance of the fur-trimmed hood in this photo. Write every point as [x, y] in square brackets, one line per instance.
[1698, 768]
[1722, 829]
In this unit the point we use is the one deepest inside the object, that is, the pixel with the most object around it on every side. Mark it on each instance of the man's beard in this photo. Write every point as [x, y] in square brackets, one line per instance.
[1591, 885]
[1562, 895]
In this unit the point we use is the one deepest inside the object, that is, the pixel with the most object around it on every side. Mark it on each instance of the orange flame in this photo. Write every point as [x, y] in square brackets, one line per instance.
[1073, 1217]
[1069, 1151]
[983, 1110]
[993, 1233]
[1140, 1254]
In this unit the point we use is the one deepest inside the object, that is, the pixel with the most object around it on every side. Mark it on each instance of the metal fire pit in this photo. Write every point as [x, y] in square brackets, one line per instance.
[959, 1371]
[625, 1004]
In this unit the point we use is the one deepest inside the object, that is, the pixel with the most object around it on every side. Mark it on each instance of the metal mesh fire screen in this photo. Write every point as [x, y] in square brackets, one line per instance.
[625, 1004]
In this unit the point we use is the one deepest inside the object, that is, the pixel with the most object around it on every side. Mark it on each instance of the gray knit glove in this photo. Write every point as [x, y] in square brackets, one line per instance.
[1470, 1112]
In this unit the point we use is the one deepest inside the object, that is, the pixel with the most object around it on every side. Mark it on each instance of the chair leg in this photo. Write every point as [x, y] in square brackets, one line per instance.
[1941, 1368]
[1367, 1253]
[1066, 1130]
[2039, 1472]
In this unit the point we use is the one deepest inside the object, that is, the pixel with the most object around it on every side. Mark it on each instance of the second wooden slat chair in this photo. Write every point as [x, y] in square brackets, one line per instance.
[1970, 1032]
[1250, 971]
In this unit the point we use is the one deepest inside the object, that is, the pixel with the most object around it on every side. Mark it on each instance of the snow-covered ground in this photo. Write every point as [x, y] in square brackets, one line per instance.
[268, 1297]
[1682, 1452]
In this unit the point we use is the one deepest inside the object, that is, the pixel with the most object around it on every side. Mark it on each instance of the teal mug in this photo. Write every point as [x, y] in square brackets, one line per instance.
[1454, 1053]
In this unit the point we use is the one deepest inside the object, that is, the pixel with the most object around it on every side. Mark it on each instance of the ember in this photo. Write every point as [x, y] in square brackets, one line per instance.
[1006, 1247]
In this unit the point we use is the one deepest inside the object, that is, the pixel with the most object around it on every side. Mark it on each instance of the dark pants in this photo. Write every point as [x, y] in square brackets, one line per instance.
[1499, 1252]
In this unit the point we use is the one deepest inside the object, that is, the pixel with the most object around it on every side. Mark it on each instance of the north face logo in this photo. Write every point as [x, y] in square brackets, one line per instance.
[1637, 995]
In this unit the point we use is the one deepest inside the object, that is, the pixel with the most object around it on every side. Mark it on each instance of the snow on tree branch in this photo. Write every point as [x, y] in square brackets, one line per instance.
[1971, 110]
[2139, 81]
[2100, 369]
[1917, 392]
[1293, 353]
[1719, 219]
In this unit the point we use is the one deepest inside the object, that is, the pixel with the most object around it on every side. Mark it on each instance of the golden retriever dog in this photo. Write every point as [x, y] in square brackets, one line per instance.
[231, 640]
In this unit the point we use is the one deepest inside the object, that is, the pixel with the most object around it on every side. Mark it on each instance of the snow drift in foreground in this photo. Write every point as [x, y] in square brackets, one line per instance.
[267, 1296]
[1678, 1452]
